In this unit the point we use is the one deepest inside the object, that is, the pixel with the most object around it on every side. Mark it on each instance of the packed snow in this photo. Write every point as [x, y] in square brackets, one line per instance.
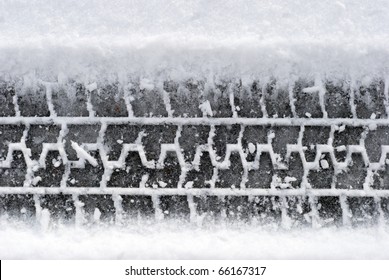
[177, 241]
[87, 40]
[91, 40]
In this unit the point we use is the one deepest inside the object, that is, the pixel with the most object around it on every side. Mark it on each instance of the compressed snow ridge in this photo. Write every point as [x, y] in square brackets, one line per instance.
[87, 40]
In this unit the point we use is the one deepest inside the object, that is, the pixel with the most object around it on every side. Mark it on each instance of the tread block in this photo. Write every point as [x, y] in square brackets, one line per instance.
[277, 100]
[80, 134]
[7, 93]
[185, 99]
[9, 134]
[385, 208]
[175, 207]
[210, 208]
[87, 177]
[262, 177]
[370, 100]
[238, 208]
[374, 140]
[266, 211]
[307, 105]
[154, 136]
[200, 176]
[135, 207]
[381, 179]
[330, 210]
[70, 100]
[344, 137]
[130, 176]
[18, 207]
[225, 135]
[292, 177]
[337, 99]
[147, 102]
[32, 102]
[52, 175]
[117, 135]
[61, 207]
[231, 177]
[299, 210]
[14, 176]
[219, 99]
[167, 177]
[313, 136]
[109, 94]
[98, 208]
[354, 177]
[191, 137]
[252, 136]
[284, 135]
[39, 134]
[323, 178]
[364, 211]
[248, 101]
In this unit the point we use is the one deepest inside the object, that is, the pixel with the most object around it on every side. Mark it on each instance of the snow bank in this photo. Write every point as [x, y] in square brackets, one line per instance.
[88, 40]
[175, 241]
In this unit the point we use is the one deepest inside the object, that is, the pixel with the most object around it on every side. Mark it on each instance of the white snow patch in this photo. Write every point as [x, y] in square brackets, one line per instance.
[91, 87]
[311, 89]
[82, 154]
[175, 241]
[86, 40]
[44, 219]
[324, 164]
[56, 163]
[36, 180]
[341, 148]
[146, 84]
[206, 109]
[289, 179]
[251, 148]
[96, 215]
[341, 5]
[372, 126]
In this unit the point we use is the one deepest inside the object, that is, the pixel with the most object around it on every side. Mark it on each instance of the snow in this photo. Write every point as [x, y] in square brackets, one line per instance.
[96, 215]
[82, 154]
[311, 89]
[146, 84]
[206, 108]
[36, 180]
[91, 87]
[324, 164]
[92, 40]
[251, 148]
[177, 241]
[179, 39]
[44, 219]
[56, 163]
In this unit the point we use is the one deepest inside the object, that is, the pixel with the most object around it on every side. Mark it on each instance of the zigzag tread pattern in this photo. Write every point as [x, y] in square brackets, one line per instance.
[224, 145]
